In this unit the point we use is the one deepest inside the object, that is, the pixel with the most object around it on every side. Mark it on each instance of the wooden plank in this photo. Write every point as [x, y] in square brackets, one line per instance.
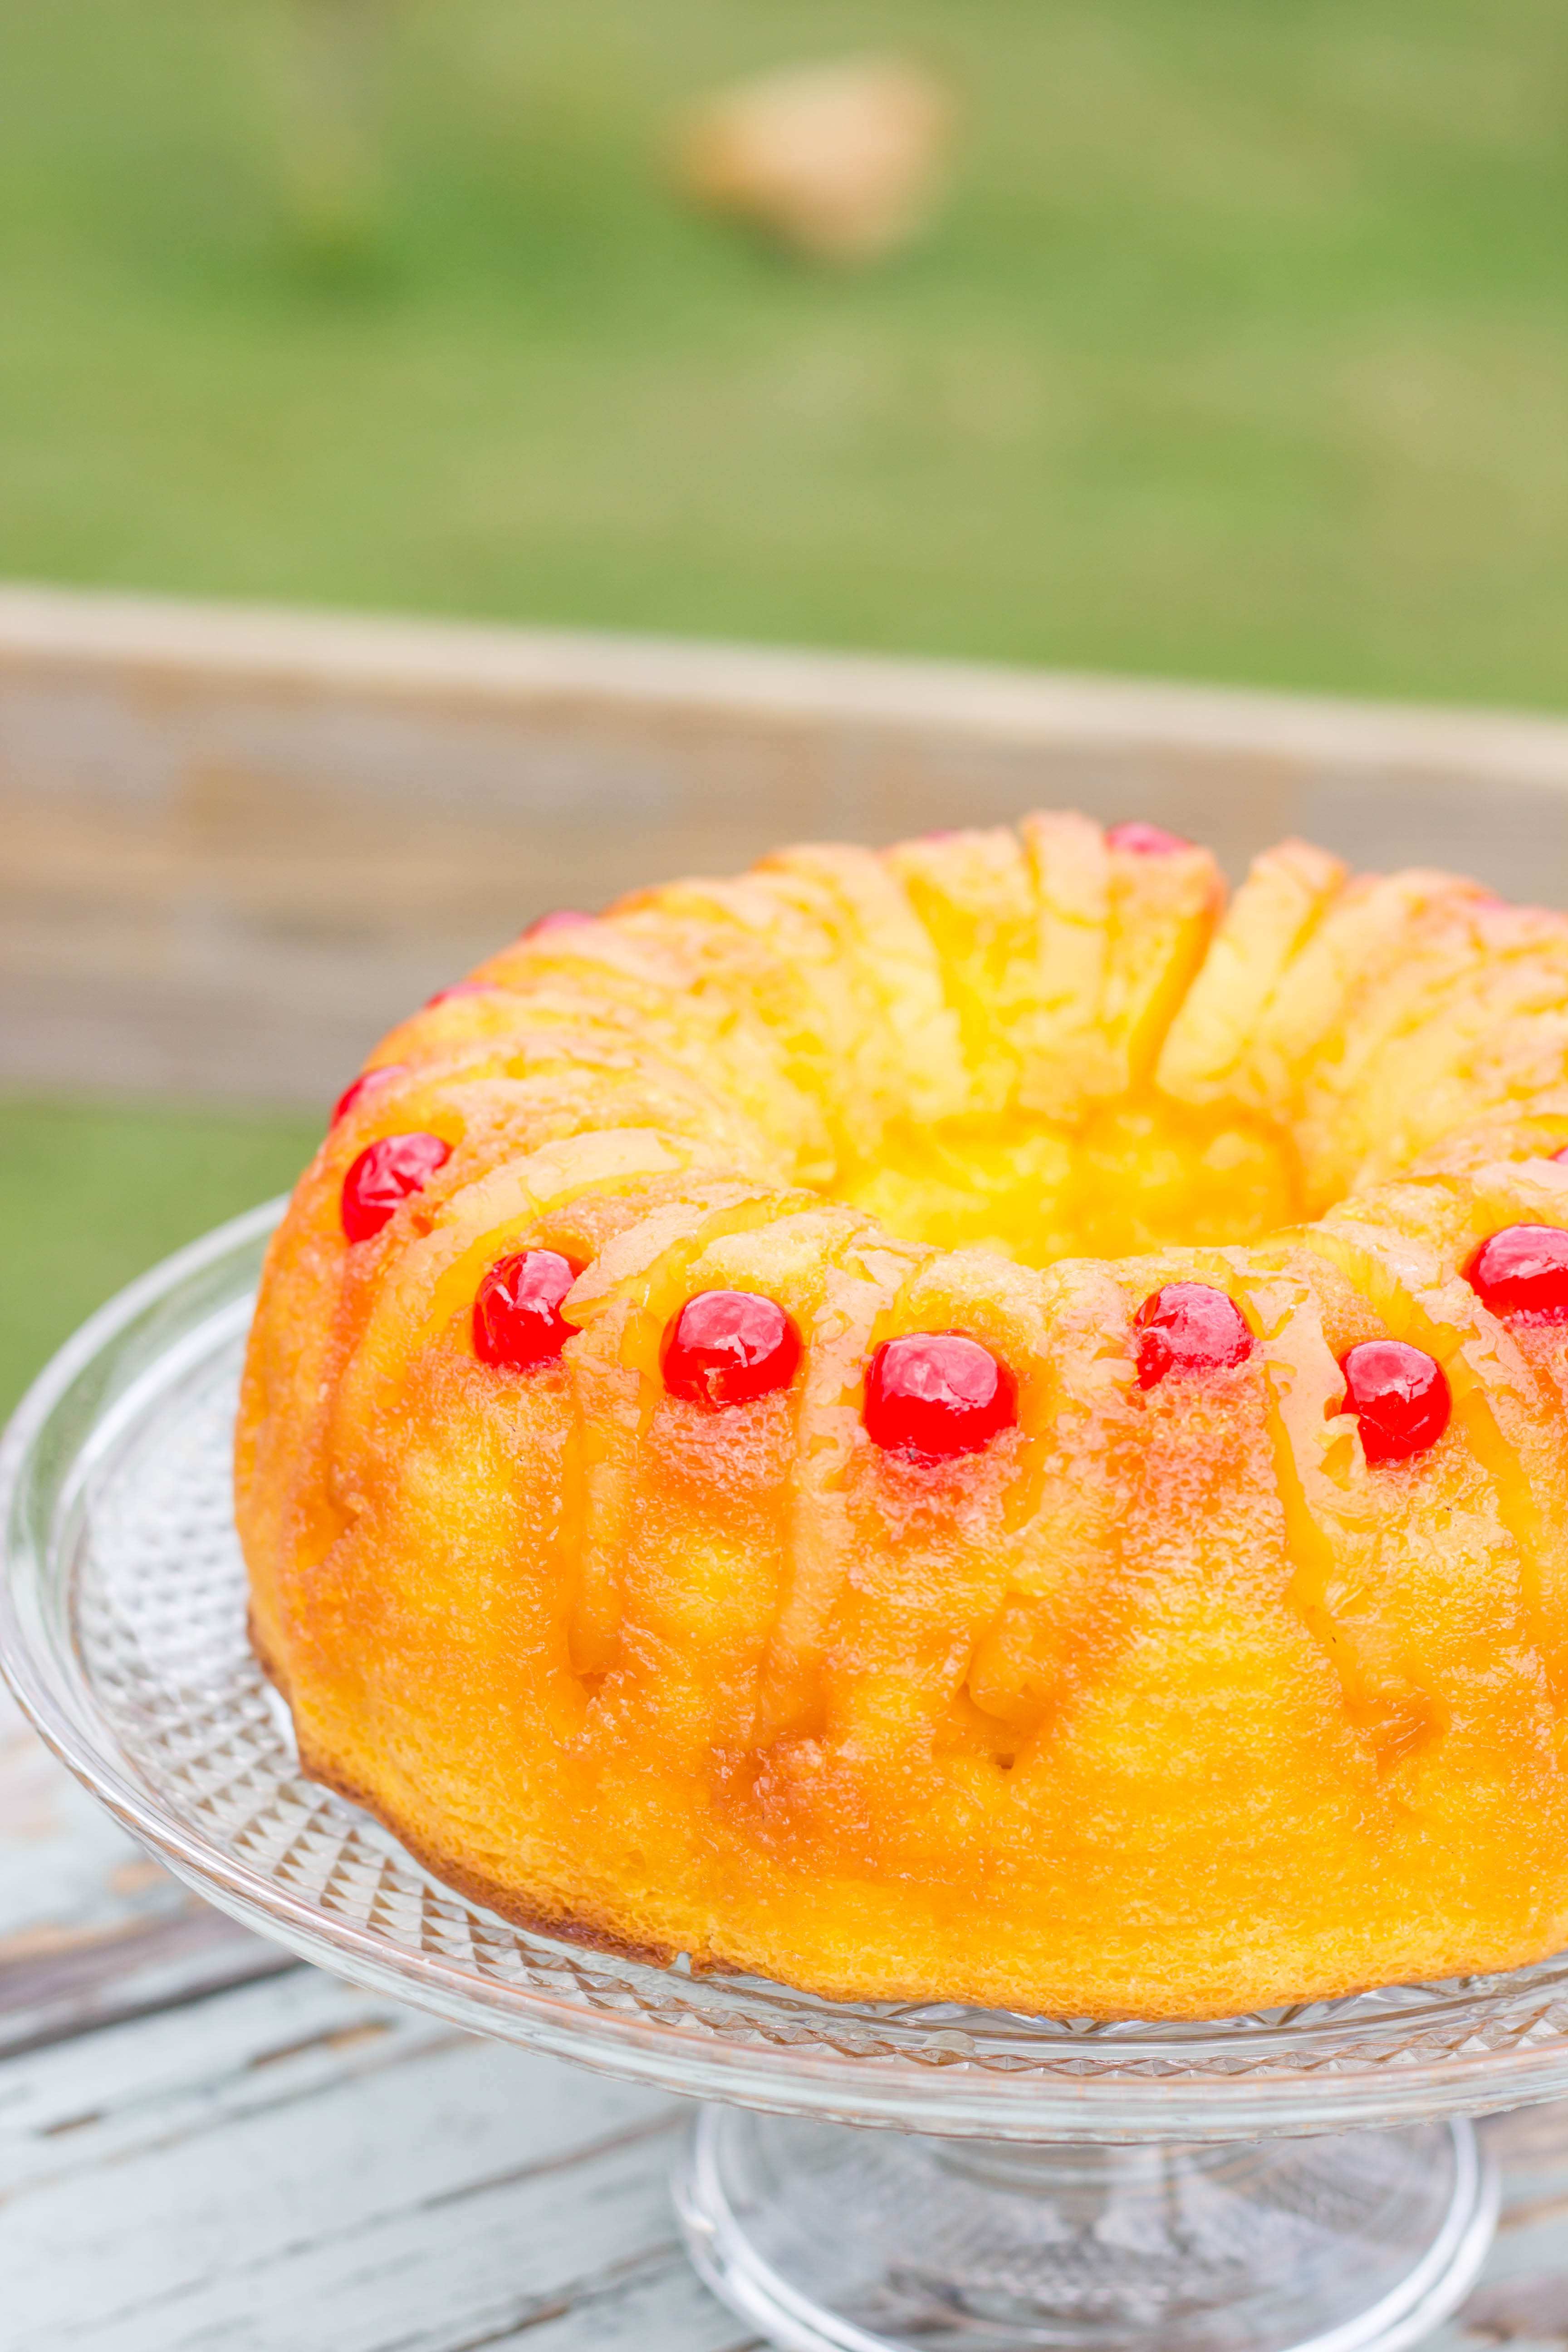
[91, 1928]
[1522, 2297]
[408, 663]
[298, 2164]
[237, 845]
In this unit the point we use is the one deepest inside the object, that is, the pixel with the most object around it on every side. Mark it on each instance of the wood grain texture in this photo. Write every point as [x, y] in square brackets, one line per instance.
[1522, 2297]
[91, 1928]
[298, 2165]
[237, 845]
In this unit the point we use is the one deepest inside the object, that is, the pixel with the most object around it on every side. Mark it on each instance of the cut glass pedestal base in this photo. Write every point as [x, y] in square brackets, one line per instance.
[834, 2240]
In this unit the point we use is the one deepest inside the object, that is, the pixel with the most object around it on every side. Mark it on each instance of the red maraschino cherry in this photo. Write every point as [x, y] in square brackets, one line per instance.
[1400, 1396]
[384, 1177]
[1522, 1271]
[517, 1309]
[367, 1083]
[1145, 840]
[934, 1395]
[726, 1347]
[1188, 1327]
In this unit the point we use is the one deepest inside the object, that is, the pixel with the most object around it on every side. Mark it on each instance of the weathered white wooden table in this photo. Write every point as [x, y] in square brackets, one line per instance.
[204, 2144]
[206, 2147]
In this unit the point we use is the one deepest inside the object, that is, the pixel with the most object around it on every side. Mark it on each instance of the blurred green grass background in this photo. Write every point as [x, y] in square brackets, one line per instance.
[92, 1193]
[1240, 353]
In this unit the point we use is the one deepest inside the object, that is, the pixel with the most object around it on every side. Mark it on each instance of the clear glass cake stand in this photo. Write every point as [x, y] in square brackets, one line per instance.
[1306, 2176]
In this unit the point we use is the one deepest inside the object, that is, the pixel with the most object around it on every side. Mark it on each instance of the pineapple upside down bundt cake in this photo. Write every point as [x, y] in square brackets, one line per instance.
[955, 1423]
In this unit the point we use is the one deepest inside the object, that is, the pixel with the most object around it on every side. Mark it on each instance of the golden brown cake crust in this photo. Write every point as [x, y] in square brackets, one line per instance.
[1172, 1698]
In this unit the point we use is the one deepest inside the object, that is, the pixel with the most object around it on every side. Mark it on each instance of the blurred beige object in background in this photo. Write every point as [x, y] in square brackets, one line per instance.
[844, 163]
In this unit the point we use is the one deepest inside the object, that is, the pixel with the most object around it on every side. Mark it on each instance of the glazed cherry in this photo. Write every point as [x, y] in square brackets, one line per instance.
[382, 1177]
[1524, 1271]
[560, 919]
[937, 1393]
[1145, 840]
[517, 1309]
[366, 1083]
[1400, 1396]
[1188, 1327]
[726, 1347]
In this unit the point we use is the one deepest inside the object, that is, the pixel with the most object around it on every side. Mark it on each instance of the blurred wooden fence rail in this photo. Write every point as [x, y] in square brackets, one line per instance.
[235, 846]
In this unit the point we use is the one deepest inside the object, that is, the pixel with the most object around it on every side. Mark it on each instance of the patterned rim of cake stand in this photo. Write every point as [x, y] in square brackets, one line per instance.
[122, 1631]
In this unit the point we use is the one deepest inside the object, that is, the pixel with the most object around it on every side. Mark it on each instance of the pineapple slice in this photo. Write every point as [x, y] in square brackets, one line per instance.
[779, 961]
[974, 894]
[1475, 1016]
[1164, 909]
[1066, 956]
[595, 974]
[915, 1058]
[1208, 1052]
[1074, 1065]
[1365, 934]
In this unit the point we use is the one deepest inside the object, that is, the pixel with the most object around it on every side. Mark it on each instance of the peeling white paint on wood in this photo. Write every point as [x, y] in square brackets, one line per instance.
[65, 1863]
[1522, 2297]
[297, 2165]
[91, 1928]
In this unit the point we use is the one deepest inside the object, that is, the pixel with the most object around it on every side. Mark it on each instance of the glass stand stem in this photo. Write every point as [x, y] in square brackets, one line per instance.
[829, 2239]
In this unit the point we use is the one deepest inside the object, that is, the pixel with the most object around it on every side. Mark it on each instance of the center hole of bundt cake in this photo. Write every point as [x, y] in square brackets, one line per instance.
[1132, 1176]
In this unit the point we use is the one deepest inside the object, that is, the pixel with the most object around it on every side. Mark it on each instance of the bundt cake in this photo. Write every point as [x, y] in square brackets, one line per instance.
[960, 1423]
